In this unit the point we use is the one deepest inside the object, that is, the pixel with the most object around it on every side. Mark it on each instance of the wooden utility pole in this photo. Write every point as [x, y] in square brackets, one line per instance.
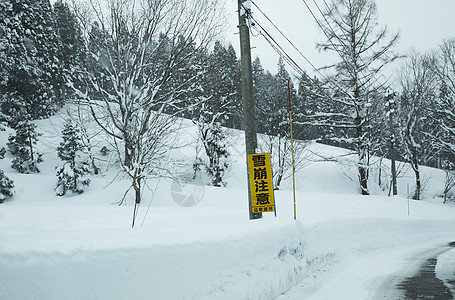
[390, 104]
[247, 91]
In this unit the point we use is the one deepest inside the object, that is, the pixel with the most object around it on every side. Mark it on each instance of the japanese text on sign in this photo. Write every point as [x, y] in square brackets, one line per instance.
[261, 182]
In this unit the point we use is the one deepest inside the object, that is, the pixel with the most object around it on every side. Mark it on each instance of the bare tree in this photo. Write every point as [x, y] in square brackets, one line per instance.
[446, 104]
[139, 66]
[364, 50]
[447, 64]
[280, 149]
[419, 84]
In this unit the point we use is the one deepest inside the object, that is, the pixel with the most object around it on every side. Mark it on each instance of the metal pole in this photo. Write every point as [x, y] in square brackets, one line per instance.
[247, 92]
[292, 150]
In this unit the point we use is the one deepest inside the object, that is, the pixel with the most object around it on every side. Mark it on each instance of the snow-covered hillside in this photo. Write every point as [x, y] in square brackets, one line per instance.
[342, 246]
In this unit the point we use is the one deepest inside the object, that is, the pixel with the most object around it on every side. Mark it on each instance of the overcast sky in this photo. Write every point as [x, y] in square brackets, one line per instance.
[422, 24]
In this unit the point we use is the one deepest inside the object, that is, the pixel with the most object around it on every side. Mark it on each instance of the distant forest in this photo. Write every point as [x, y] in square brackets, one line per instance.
[138, 66]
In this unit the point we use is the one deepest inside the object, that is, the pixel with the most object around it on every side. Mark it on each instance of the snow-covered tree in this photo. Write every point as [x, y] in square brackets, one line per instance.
[352, 33]
[213, 138]
[449, 183]
[221, 86]
[70, 174]
[445, 104]
[12, 54]
[69, 33]
[419, 91]
[22, 147]
[139, 49]
[6, 187]
[272, 107]
[30, 44]
[312, 102]
[218, 107]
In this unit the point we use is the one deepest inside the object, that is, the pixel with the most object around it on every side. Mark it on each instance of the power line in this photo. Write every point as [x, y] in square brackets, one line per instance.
[277, 47]
[287, 39]
[324, 31]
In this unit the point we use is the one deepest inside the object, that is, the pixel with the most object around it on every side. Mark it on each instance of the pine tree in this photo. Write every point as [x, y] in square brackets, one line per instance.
[262, 89]
[6, 187]
[98, 62]
[272, 107]
[213, 138]
[221, 107]
[69, 175]
[312, 104]
[191, 66]
[221, 86]
[72, 43]
[22, 146]
[12, 53]
[34, 73]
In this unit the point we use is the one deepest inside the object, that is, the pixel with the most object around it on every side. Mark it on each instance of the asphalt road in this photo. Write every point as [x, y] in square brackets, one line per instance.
[423, 284]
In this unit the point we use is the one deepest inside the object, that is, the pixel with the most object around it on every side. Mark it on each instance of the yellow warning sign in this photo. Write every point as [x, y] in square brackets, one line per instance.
[261, 182]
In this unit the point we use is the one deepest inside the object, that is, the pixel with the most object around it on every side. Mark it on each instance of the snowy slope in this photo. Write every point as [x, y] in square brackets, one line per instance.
[342, 246]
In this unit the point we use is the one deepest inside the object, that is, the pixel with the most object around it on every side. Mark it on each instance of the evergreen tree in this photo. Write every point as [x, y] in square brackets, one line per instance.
[6, 187]
[97, 62]
[69, 175]
[192, 66]
[34, 73]
[12, 53]
[72, 43]
[220, 107]
[312, 105]
[273, 119]
[213, 137]
[222, 86]
[22, 146]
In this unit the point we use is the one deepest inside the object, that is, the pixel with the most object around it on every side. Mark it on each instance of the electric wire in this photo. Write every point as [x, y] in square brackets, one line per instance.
[325, 33]
[281, 52]
[287, 39]
[275, 45]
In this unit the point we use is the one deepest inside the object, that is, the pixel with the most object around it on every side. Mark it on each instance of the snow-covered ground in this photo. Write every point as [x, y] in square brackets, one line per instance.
[342, 246]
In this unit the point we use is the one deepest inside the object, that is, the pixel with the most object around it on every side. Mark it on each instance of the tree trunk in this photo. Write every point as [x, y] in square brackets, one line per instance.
[128, 156]
[363, 180]
[278, 180]
[415, 167]
[363, 177]
[137, 188]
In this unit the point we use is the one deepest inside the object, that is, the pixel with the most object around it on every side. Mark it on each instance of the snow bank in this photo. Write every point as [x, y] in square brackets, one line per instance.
[342, 246]
[251, 266]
